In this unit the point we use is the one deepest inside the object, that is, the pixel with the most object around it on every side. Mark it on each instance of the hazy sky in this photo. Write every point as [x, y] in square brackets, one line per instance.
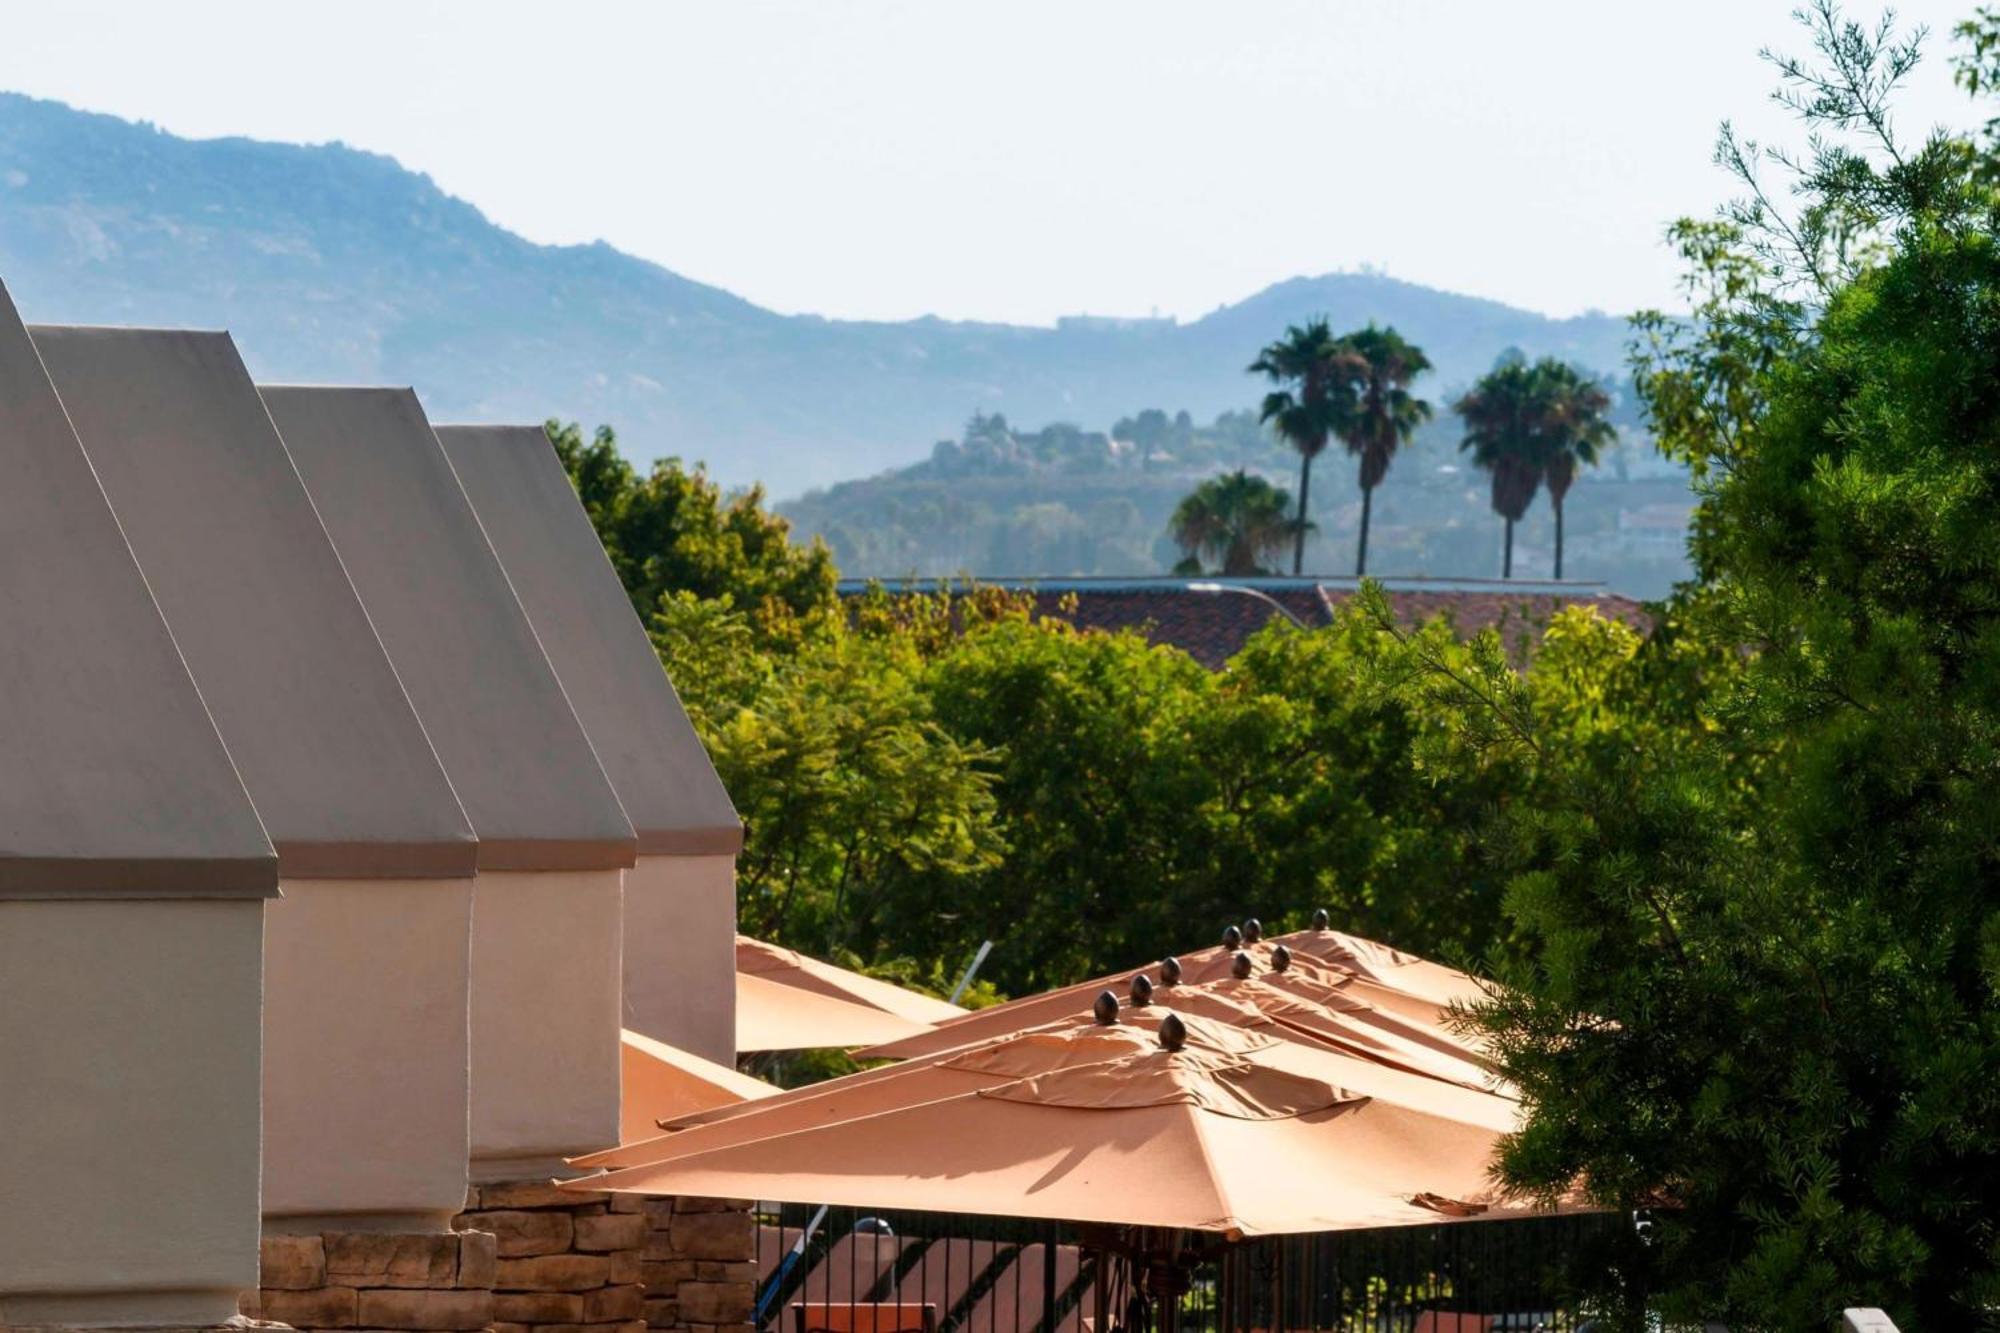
[1003, 159]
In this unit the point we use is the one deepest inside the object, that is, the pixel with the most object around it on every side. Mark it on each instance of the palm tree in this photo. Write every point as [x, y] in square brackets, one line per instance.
[1384, 415]
[1237, 520]
[1318, 366]
[1574, 429]
[1503, 433]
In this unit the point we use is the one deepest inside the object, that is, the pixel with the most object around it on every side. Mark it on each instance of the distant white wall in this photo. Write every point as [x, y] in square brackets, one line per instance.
[680, 952]
[545, 1019]
[366, 1052]
[129, 1034]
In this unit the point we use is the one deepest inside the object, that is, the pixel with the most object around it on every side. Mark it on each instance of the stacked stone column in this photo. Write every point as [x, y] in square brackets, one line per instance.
[566, 1262]
[700, 1270]
[412, 1282]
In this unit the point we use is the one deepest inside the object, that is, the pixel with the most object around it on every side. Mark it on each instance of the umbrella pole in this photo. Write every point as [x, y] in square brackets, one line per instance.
[1165, 1282]
[1100, 1302]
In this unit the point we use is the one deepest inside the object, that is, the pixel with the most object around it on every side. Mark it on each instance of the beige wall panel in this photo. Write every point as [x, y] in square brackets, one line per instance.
[366, 1052]
[545, 1005]
[680, 953]
[128, 1161]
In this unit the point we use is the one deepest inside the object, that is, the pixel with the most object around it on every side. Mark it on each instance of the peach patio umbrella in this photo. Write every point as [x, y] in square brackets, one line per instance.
[771, 1016]
[1399, 971]
[779, 964]
[1366, 971]
[660, 1082]
[1316, 1006]
[1192, 1137]
[1245, 1035]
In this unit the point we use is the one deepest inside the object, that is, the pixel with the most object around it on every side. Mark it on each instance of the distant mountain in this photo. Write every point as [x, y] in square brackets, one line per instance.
[337, 265]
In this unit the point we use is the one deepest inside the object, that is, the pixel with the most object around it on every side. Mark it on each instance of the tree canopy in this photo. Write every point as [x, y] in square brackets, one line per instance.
[673, 530]
[1236, 521]
[1314, 404]
[1755, 983]
[1385, 414]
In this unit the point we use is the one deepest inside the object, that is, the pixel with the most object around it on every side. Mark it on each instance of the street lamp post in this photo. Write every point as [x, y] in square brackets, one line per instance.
[1242, 590]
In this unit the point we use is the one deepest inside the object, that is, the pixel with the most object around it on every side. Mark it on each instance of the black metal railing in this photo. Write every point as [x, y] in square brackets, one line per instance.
[851, 1270]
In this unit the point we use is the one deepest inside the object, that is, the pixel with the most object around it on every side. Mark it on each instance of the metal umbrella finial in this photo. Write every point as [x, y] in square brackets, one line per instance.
[1321, 920]
[1241, 966]
[1142, 991]
[1105, 1010]
[1170, 971]
[1281, 958]
[1232, 937]
[1253, 930]
[1173, 1033]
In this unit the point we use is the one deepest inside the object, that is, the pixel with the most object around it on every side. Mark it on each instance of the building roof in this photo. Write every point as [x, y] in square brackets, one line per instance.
[113, 780]
[459, 639]
[327, 744]
[599, 649]
[1212, 618]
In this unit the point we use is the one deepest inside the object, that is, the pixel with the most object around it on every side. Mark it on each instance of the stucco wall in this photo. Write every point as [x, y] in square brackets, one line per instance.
[366, 1059]
[680, 953]
[545, 1019]
[128, 1159]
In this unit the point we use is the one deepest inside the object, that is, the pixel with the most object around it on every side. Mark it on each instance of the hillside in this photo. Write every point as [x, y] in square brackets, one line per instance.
[334, 264]
[1005, 501]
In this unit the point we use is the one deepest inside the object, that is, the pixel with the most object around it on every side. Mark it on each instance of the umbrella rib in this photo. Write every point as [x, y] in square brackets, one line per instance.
[1226, 1219]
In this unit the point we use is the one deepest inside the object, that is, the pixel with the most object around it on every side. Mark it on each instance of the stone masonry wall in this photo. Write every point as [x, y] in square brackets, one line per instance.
[566, 1261]
[421, 1282]
[700, 1269]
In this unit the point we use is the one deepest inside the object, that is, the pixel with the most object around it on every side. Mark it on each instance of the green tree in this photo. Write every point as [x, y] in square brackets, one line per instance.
[1236, 521]
[1384, 414]
[1574, 429]
[1759, 888]
[847, 786]
[1503, 433]
[1315, 409]
[672, 530]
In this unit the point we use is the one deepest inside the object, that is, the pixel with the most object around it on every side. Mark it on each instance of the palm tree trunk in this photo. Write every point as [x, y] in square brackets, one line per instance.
[1559, 541]
[1361, 554]
[1299, 537]
[1507, 558]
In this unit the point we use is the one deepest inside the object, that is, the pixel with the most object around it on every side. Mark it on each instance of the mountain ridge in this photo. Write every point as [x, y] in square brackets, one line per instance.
[334, 263]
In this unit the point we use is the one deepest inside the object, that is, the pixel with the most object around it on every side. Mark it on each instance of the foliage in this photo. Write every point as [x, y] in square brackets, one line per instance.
[1576, 428]
[919, 773]
[1146, 799]
[1315, 407]
[1500, 434]
[1755, 987]
[1528, 426]
[1385, 413]
[1236, 520]
[672, 530]
[848, 786]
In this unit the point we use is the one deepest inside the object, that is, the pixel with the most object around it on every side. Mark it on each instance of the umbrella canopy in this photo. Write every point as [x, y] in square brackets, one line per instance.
[1379, 963]
[660, 1082]
[1364, 970]
[1244, 1035]
[1305, 999]
[771, 1016]
[1203, 1137]
[796, 969]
